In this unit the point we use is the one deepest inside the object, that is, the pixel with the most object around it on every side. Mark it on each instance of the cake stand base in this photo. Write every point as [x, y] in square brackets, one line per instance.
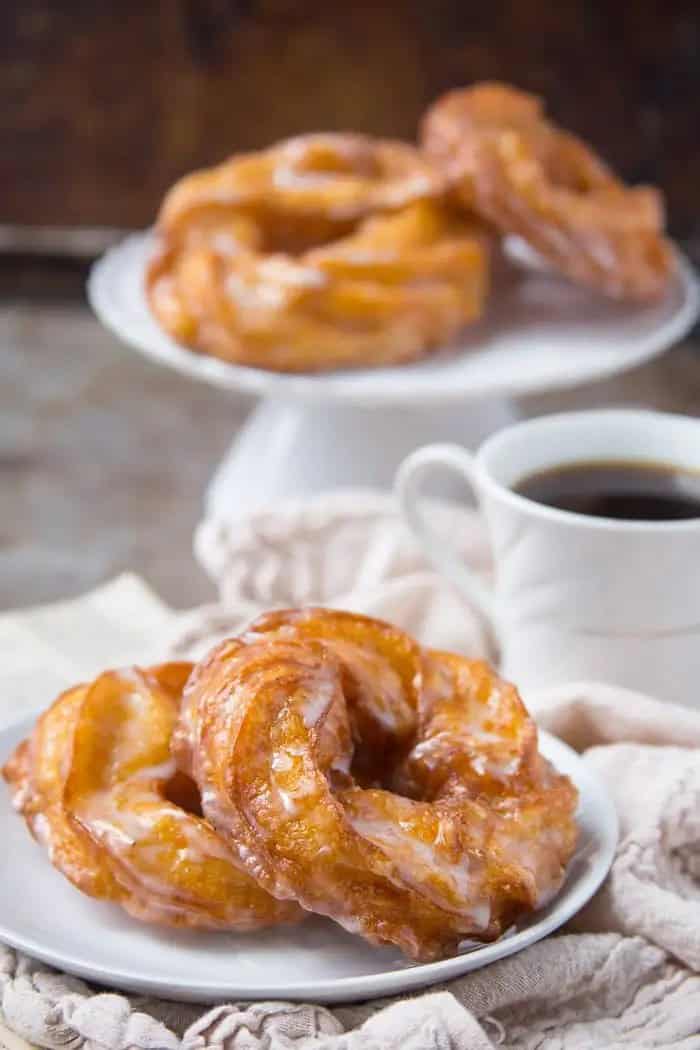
[293, 449]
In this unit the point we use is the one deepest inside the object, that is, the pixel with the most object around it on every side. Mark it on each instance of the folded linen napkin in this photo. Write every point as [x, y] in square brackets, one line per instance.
[626, 972]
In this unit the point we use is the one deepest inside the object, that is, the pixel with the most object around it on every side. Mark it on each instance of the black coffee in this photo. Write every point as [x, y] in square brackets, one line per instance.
[617, 489]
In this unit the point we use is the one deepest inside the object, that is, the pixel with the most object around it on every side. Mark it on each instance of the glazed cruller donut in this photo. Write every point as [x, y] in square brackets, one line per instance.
[526, 176]
[396, 789]
[99, 790]
[322, 252]
[320, 761]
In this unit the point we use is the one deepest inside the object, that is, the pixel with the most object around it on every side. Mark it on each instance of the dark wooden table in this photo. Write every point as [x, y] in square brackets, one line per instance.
[104, 457]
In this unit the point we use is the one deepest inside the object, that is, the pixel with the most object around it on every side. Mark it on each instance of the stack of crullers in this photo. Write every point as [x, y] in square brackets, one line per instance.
[318, 762]
[339, 250]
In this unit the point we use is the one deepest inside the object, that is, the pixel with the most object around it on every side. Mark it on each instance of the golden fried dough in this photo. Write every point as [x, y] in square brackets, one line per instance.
[396, 789]
[323, 252]
[528, 177]
[98, 788]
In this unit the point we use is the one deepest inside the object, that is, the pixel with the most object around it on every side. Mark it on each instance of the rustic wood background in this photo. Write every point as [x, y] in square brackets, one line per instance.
[106, 102]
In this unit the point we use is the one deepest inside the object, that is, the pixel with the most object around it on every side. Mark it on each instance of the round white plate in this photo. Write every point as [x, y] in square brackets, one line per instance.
[43, 915]
[541, 333]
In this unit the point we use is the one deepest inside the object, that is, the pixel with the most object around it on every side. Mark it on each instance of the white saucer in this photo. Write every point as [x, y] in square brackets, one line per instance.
[541, 333]
[44, 916]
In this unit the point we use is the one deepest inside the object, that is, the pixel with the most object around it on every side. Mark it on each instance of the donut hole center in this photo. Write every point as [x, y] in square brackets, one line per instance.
[381, 733]
[182, 791]
[376, 767]
[378, 756]
[570, 165]
[262, 230]
[288, 234]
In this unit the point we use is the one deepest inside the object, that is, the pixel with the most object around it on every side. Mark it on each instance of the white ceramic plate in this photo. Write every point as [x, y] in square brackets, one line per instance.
[43, 915]
[541, 333]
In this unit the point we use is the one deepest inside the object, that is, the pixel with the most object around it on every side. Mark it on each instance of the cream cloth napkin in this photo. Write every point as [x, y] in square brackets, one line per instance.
[626, 971]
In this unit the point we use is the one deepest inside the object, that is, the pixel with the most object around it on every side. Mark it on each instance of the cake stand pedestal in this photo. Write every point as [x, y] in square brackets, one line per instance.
[290, 449]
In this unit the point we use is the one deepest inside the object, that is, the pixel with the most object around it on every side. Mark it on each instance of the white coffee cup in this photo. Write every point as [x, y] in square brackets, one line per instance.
[575, 596]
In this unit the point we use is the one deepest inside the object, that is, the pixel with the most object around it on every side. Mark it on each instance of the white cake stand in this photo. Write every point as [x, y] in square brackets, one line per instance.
[313, 432]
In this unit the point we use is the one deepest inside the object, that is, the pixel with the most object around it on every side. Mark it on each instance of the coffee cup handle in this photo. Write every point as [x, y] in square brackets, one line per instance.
[408, 484]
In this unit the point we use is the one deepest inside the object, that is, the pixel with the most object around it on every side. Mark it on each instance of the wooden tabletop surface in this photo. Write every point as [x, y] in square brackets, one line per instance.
[104, 457]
